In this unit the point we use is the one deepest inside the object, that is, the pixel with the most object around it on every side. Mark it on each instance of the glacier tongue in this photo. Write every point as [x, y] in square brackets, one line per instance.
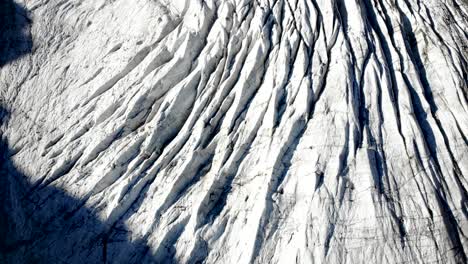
[234, 131]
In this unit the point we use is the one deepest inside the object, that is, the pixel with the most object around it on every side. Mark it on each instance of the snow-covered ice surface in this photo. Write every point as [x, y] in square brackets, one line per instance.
[234, 131]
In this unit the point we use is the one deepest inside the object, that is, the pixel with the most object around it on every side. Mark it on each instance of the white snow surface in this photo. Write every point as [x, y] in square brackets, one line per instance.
[237, 131]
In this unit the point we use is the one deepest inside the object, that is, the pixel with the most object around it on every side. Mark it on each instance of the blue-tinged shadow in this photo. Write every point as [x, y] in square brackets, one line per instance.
[47, 225]
[15, 36]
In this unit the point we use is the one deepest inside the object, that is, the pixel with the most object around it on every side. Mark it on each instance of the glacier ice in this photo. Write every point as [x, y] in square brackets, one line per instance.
[234, 131]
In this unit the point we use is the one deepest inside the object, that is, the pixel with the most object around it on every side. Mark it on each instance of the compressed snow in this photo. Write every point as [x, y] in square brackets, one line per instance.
[236, 131]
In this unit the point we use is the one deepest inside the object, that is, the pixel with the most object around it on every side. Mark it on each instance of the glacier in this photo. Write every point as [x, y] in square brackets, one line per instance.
[234, 131]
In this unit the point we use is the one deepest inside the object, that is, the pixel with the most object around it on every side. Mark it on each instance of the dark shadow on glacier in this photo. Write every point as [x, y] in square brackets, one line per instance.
[15, 36]
[47, 225]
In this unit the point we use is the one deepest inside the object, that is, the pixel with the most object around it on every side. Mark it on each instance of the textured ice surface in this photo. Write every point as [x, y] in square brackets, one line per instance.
[234, 131]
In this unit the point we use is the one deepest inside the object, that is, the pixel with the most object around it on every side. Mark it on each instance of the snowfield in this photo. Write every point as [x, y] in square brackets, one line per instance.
[234, 131]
